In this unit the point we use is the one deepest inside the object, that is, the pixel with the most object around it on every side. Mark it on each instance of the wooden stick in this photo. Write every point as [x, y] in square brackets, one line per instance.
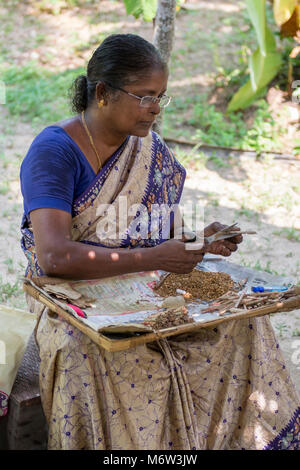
[161, 281]
[239, 299]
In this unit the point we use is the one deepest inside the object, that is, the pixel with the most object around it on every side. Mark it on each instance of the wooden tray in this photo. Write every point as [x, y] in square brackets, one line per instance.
[111, 344]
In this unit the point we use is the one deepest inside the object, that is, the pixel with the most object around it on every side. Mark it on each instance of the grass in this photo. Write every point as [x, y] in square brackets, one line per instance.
[37, 95]
[10, 265]
[5, 161]
[9, 290]
[4, 188]
[260, 267]
[196, 160]
[192, 159]
[297, 147]
[288, 232]
[282, 328]
[213, 127]
[43, 94]
[266, 268]
[244, 211]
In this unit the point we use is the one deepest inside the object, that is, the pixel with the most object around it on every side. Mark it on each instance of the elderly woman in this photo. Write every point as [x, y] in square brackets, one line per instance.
[220, 388]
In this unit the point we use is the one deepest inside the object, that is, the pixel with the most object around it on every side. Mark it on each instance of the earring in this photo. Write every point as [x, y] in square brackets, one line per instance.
[100, 103]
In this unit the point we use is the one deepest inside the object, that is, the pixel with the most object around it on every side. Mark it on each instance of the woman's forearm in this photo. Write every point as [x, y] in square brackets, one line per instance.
[75, 260]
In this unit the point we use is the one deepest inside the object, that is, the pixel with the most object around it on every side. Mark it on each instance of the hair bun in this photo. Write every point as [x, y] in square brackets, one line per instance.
[79, 93]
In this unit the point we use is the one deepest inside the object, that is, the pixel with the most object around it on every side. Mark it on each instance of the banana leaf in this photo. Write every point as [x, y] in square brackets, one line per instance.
[244, 97]
[263, 69]
[264, 63]
[257, 13]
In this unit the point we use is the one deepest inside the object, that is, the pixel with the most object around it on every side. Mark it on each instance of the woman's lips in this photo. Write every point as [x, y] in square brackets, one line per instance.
[146, 123]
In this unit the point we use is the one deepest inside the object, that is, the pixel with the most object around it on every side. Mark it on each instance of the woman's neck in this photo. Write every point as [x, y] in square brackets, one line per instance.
[101, 132]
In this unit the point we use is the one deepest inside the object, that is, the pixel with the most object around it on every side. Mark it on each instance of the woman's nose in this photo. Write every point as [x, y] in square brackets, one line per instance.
[155, 109]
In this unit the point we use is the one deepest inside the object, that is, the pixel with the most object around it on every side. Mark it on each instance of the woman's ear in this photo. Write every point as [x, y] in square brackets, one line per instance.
[101, 95]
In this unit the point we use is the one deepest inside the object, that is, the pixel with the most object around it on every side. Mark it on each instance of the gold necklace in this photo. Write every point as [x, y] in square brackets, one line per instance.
[91, 139]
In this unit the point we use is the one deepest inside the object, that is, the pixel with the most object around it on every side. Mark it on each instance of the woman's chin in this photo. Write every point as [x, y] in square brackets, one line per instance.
[142, 132]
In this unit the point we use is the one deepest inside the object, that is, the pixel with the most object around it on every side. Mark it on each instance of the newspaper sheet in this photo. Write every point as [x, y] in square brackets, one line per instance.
[127, 300]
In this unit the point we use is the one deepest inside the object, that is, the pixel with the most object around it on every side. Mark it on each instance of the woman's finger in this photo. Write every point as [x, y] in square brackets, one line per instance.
[231, 246]
[236, 238]
[224, 251]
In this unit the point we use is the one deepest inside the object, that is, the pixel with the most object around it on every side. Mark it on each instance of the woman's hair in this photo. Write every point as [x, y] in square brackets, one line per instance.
[120, 60]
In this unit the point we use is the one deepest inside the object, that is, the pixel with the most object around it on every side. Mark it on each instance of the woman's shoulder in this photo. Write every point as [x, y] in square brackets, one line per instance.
[59, 132]
[53, 146]
[50, 137]
[55, 139]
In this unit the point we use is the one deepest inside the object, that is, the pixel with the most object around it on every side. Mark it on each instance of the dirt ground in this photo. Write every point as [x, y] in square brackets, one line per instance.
[260, 195]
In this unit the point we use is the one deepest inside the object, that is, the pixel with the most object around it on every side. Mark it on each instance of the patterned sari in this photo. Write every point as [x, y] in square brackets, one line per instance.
[217, 388]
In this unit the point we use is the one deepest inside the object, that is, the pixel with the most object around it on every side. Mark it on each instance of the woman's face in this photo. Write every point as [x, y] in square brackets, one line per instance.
[125, 115]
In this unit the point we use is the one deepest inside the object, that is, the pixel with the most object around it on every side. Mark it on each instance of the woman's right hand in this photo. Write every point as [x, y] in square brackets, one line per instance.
[172, 256]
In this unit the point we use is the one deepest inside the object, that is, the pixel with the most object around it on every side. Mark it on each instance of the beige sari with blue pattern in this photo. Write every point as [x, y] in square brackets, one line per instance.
[218, 388]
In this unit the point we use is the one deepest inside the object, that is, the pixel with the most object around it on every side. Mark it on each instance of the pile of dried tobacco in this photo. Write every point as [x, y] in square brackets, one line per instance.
[199, 284]
[168, 318]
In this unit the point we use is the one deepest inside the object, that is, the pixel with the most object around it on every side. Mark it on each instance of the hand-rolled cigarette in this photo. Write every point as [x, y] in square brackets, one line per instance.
[180, 291]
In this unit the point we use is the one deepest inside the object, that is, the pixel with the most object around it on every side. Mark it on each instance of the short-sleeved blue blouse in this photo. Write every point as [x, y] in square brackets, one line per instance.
[54, 171]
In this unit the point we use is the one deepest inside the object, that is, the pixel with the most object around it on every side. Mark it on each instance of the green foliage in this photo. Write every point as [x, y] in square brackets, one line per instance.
[264, 63]
[227, 77]
[215, 128]
[296, 149]
[4, 187]
[218, 162]
[282, 328]
[8, 290]
[212, 127]
[257, 13]
[290, 233]
[146, 8]
[263, 134]
[37, 95]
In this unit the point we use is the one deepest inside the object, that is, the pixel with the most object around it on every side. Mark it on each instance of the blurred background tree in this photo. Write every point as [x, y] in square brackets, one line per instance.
[163, 13]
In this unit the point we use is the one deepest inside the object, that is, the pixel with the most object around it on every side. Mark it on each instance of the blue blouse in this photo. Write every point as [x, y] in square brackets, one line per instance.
[54, 172]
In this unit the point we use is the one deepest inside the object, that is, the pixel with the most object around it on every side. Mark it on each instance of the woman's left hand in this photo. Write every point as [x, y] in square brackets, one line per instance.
[222, 247]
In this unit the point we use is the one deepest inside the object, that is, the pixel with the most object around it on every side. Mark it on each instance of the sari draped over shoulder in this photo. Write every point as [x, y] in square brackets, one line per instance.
[217, 388]
[131, 202]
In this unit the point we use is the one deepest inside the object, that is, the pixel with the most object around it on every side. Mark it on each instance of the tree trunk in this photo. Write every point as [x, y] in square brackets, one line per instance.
[163, 38]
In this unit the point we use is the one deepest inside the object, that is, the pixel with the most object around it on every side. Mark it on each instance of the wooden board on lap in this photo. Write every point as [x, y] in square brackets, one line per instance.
[106, 340]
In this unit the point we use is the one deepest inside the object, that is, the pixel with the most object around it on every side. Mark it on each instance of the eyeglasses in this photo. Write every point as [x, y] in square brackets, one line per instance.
[147, 101]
